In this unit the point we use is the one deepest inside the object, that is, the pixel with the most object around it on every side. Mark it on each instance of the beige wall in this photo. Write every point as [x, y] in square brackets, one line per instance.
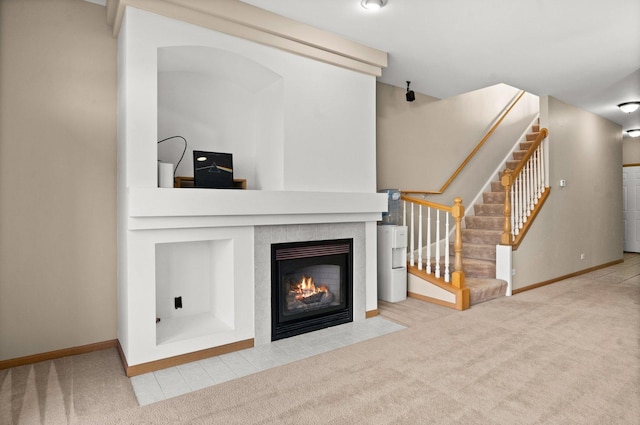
[585, 217]
[57, 176]
[585, 149]
[631, 150]
[420, 144]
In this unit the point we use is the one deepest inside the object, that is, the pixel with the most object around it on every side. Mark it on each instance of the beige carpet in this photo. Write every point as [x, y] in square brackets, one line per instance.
[567, 353]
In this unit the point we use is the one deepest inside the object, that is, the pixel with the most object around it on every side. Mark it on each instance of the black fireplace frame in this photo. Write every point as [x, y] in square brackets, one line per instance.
[318, 320]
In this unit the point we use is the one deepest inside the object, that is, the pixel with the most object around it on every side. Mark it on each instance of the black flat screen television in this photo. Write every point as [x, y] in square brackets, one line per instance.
[212, 170]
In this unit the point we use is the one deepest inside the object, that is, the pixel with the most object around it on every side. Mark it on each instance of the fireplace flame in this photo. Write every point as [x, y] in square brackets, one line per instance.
[306, 288]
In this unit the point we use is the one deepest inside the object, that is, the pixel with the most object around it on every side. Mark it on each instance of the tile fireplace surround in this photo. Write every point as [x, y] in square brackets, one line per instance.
[297, 111]
[267, 235]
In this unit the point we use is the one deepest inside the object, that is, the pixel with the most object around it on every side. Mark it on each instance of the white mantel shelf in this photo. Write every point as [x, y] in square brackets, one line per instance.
[157, 208]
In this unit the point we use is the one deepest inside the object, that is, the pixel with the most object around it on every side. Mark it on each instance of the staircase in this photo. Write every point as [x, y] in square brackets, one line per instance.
[482, 233]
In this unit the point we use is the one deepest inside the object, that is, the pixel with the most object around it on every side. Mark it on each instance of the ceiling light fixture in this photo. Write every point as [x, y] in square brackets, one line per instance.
[629, 107]
[635, 132]
[373, 4]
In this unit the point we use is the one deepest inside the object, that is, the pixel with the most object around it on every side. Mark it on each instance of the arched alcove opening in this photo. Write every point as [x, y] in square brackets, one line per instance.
[222, 102]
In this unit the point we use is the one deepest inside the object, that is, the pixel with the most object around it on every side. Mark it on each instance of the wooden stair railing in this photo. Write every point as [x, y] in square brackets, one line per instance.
[526, 189]
[433, 264]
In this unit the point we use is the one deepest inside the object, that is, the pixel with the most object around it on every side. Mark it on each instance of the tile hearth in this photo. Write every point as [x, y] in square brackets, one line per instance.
[172, 382]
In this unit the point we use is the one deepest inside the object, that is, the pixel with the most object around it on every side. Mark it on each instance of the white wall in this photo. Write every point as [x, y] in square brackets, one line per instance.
[328, 141]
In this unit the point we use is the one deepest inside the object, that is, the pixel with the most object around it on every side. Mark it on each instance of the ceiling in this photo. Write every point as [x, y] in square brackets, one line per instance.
[583, 52]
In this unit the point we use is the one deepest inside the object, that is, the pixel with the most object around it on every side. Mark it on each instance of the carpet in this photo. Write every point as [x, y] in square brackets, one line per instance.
[567, 353]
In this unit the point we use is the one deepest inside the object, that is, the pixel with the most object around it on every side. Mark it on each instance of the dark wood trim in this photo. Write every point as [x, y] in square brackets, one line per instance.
[142, 368]
[371, 313]
[557, 279]
[631, 165]
[57, 354]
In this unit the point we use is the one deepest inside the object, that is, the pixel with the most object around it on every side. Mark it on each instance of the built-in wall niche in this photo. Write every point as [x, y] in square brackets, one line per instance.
[221, 101]
[194, 289]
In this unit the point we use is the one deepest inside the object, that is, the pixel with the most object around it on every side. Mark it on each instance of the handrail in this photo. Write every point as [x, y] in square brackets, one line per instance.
[541, 136]
[507, 181]
[474, 151]
[425, 203]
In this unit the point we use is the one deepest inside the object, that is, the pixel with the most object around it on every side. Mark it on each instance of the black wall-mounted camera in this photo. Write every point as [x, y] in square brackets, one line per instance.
[411, 96]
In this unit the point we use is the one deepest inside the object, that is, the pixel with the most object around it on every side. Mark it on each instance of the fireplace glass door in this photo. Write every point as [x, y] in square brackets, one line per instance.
[311, 286]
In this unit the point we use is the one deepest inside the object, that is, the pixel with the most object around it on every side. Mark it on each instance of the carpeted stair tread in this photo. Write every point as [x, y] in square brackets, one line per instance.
[525, 145]
[493, 198]
[497, 187]
[481, 236]
[532, 136]
[484, 222]
[519, 154]
[481, 290]
[478, 252]
[475, 268]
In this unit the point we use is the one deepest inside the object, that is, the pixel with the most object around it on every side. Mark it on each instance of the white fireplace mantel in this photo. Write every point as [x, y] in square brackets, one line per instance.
[157, 208]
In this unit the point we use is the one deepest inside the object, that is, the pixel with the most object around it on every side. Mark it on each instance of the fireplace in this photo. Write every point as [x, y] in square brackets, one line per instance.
[311, 286]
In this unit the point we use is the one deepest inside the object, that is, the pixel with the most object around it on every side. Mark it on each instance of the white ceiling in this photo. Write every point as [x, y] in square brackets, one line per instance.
[583, 52]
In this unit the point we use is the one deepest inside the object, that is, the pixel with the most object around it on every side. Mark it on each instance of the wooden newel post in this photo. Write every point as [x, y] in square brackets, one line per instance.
[507, 181]
[457, 211]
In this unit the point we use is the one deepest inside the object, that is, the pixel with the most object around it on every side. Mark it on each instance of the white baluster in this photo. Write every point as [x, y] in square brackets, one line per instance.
[413, 226]
[538, 174]
[545, 180]
[520, 209]
[534, 182]
[529, 188]
[404, 213]
[437, 258]
[429, 240]
[419, 237]
[513, 212]
[446, 248]
[542, 173]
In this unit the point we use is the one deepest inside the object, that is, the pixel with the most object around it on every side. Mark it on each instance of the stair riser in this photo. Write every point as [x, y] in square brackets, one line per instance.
[525, 146]
[497, 187]
[493, 198]
[532, 136]
[479, 273]
[518, 155]
[485, 223]
[484, 238]
[488, 210]
[480, 252]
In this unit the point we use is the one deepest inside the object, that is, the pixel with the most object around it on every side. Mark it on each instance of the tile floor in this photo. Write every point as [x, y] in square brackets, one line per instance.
[166, 383]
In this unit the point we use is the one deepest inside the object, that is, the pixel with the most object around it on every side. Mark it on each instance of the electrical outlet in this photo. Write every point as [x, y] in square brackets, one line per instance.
[177, 302]
[513, 272]
[582, 256]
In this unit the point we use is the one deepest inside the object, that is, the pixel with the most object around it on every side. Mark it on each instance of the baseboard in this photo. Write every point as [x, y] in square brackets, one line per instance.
[570, 275]
[432, 300]
[142, 368]
[371, 313]
[57, 354]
